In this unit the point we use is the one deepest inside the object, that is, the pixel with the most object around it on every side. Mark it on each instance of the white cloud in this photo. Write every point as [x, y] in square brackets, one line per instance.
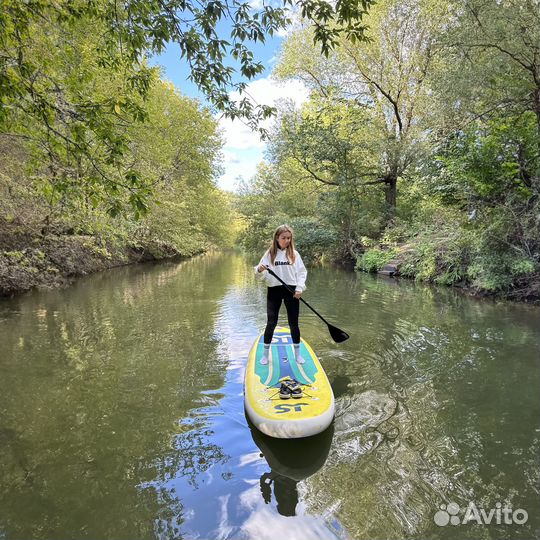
[263, 92]
[264, 523]
[243, 148]
[229, 158]
[268, 91]
[283, 32]
[244, 167]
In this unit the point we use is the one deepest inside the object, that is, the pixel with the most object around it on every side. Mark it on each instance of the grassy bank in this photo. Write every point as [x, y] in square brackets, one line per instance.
[446, 261]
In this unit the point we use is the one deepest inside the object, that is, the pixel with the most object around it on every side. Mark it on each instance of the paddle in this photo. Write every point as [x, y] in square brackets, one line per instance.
[337, 335]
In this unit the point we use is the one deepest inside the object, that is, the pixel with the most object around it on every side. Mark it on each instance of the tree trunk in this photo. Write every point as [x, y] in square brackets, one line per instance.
[390, 194]
[536, 99]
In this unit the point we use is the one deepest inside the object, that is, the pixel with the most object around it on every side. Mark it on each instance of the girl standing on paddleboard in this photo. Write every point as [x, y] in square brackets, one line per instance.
[287, 264]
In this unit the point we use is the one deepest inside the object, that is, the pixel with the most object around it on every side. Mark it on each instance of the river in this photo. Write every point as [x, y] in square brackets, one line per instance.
[121, 411]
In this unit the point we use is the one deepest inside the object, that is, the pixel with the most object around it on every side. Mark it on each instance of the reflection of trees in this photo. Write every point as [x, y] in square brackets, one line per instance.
[94, 380]
[170, 519]
[382, 476]
[194, 453]
[387, 477]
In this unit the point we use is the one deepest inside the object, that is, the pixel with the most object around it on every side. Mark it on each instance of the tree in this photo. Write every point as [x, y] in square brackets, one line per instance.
[54, 57]
[177, 151]
[329, 143]
[71, 104]
[276, 195]
[385, 78]
[491, 61]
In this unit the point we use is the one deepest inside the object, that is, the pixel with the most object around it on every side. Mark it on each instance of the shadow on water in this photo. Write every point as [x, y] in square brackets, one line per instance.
[290, 461]
[340, 385]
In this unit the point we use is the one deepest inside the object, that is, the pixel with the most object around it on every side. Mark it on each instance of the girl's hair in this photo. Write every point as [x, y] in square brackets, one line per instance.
[275, 245]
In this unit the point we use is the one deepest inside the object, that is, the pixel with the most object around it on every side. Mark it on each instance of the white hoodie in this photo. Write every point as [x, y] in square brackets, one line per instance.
[292, 274]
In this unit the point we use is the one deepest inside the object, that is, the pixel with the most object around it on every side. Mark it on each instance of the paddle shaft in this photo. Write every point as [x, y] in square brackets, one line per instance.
[272, 273]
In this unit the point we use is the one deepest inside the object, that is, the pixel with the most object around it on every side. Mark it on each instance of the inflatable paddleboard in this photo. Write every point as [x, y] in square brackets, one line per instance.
[294, 417]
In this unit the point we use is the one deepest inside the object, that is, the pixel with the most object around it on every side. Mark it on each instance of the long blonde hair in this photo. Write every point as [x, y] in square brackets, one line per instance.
[275, 245]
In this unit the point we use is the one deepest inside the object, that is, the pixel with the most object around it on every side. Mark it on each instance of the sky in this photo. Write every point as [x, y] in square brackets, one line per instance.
[243, 149]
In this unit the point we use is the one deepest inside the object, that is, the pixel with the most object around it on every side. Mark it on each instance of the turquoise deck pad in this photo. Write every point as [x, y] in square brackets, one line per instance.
[282, 361]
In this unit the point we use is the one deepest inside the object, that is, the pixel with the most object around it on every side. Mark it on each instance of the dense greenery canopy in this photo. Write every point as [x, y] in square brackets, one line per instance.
[420, 144]
[420, 140]
[74, 74]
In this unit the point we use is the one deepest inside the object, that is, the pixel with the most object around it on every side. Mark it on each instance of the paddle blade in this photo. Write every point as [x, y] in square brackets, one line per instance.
[337, 335]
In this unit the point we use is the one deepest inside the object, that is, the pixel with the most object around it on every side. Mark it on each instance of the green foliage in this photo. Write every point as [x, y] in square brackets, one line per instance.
[374, 259]
[489, 64]
[276, 195]
[489, 256]
[436, 259]
[15, 255]
[70, 106]
[325, 140]
[396, 232]
[176, 150]
[122, 35]
[421, 131]
[486, 163]
[506, 247]
[326, 144]
[315, 239]
[439, 111]
[97, 249]
[369, 105]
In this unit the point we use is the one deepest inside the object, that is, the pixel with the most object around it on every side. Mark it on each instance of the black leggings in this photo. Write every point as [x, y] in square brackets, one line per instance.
[275, 296]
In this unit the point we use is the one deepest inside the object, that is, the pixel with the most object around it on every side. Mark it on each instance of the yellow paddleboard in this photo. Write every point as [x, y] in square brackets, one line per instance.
[293, 417]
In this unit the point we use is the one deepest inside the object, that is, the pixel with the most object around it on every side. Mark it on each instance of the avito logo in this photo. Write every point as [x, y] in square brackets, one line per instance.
[500, 515]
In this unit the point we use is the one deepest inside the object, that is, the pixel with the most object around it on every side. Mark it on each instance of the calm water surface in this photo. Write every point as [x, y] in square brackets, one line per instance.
[121, 411]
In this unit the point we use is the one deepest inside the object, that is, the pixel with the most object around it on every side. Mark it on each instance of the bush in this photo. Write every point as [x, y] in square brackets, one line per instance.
[313, 239]
[492, 255]
[374, 259]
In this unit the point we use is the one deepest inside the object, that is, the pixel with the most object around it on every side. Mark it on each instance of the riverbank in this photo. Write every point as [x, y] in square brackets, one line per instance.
[407, 261]
[30, 260]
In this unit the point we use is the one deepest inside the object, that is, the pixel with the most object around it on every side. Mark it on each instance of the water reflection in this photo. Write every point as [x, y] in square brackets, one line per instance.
[290, 461]
[341, 385]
